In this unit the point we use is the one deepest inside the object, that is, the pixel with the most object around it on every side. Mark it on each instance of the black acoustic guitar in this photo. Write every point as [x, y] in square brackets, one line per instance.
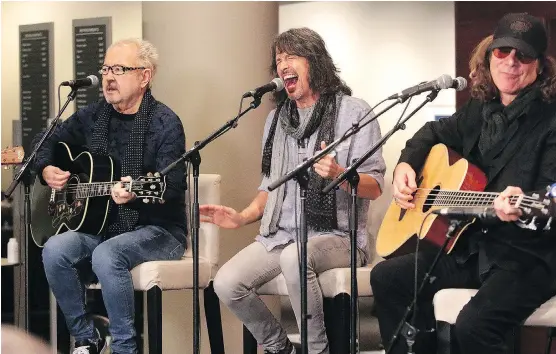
[82, 205]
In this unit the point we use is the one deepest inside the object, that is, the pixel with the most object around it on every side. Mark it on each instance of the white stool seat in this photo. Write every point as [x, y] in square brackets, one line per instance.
[333, 282]
[171, 275]
[449, 302]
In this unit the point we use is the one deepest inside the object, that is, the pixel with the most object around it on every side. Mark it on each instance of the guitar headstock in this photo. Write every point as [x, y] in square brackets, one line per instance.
[12, 156]
[537, 209]
[534, 204]
[150, 188]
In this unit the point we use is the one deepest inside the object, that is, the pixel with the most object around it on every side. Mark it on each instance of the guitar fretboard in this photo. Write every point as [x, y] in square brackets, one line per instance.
[448, 198]
[86, 190]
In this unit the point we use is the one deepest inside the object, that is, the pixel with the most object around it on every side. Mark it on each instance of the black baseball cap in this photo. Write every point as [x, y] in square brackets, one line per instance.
[521, 31]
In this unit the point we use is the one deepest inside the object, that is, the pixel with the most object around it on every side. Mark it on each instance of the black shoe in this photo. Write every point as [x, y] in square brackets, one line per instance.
[289, 349]
[90, 347]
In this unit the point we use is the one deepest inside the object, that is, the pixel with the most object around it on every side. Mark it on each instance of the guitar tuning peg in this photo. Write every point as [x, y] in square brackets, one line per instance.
[157, 174]
[149, 174]
[146, 201]
[162, 201]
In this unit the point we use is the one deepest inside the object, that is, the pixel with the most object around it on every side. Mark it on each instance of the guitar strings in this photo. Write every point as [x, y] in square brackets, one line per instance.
[449, 198]
[74, 189]
[473, 199]
[470, 194]
[97, 184]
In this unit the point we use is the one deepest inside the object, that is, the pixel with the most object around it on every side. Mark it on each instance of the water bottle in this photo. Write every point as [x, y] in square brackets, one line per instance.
[13, 251]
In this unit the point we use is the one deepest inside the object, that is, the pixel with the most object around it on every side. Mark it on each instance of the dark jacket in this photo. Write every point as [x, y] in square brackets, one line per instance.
[164, 143]
[525, 157]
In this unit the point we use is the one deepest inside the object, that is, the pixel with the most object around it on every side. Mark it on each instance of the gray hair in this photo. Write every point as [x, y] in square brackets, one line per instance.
[147, 54]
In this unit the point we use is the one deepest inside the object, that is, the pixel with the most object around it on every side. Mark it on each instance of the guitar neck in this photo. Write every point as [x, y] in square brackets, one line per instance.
[455, 198]
[98, 189]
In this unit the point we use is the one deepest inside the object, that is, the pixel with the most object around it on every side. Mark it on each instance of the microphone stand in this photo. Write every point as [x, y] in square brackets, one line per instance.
[408, 329]
[301, 175]
[193, 156]
[24, 175]
[351, 175]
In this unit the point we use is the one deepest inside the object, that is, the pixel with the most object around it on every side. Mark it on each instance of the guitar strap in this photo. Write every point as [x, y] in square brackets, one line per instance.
[132, 161]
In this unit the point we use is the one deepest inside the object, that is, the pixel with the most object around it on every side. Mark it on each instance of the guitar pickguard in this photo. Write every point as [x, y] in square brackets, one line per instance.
[66, 206]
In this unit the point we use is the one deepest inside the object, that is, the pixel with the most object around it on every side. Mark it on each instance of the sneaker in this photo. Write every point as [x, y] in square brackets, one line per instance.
[289, 349]
[90, 347]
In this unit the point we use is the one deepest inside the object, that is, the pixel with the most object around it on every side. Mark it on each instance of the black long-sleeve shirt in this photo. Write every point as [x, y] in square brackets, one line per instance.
[164, 143]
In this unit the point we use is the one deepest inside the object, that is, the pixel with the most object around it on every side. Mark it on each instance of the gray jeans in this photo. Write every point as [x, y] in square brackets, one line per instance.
[238, 279]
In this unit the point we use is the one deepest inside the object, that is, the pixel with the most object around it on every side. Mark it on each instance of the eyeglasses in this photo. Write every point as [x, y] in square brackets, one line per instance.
[118, 69]
[503, 52]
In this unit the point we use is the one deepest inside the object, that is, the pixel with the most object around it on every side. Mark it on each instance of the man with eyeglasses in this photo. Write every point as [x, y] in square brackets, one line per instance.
[508, 129]
[142, 135]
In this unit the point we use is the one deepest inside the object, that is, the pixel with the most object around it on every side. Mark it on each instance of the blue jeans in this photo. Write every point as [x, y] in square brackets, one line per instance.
[111, 262]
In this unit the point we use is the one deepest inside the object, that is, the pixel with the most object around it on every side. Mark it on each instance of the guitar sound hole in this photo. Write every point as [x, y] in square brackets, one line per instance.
[431, 198]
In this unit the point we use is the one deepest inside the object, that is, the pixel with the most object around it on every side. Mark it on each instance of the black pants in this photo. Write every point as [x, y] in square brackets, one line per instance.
[505, 299]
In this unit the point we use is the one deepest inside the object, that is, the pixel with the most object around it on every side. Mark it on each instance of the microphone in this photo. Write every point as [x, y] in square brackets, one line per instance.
[465, 213]
[90, 80]
[275, 85]
[443, 82]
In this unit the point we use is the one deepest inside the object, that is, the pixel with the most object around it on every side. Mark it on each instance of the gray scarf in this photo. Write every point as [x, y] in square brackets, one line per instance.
[321, 209]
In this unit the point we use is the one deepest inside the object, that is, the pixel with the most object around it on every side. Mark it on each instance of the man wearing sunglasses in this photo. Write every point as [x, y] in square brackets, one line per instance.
[142, 135]
[508, 129]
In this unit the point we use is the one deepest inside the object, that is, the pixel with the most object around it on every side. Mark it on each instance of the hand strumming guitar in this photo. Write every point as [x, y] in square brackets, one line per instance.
[404, 185]
[55, 177]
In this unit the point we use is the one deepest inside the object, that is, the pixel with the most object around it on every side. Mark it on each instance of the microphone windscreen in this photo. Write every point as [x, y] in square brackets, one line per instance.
[94, 80]
[444, 82]
[461, 83]
[279, 84]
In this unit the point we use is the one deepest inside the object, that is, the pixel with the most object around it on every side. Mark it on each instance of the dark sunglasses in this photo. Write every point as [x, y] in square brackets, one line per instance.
[503, 52]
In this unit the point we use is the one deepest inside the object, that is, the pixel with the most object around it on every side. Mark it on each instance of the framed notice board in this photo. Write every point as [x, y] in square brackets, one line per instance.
[91, 39]
[36, 62]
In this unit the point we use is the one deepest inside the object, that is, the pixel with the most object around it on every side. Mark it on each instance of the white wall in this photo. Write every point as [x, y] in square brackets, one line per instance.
[126, 22]
[382, 48]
